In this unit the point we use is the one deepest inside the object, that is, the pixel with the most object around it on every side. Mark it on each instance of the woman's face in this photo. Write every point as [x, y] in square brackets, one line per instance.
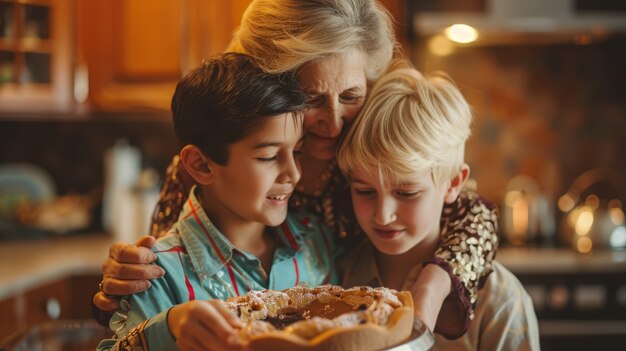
[336, 86]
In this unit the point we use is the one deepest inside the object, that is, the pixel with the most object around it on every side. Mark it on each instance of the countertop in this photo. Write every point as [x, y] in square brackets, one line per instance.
[561, 260]
[27, 264]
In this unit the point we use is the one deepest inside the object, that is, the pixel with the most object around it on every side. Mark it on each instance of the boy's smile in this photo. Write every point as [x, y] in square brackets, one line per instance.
[387, 233]
[399, 215]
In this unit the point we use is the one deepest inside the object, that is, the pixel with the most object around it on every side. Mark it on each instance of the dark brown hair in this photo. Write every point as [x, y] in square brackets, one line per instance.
[226, 98]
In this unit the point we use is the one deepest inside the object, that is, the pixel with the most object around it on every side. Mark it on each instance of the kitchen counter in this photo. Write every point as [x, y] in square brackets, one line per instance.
[28, 264]
[561, 260]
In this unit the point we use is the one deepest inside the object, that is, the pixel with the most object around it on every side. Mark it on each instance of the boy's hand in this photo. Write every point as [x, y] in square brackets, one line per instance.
[126, 271]
[204, 325]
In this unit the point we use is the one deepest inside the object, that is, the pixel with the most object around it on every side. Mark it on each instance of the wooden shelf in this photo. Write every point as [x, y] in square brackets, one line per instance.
[43, 46]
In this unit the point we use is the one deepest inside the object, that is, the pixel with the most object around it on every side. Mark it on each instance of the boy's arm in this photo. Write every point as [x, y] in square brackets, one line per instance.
[141, 322]
[466, 251]
[192, 325]
[429, 292]
[138, 338]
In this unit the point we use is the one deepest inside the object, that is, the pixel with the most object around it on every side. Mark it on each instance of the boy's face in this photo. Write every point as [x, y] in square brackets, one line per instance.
[260, 176]
[399, 215]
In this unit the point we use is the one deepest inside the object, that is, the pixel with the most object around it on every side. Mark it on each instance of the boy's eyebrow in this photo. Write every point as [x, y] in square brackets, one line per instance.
[272, 144]
[267, 144]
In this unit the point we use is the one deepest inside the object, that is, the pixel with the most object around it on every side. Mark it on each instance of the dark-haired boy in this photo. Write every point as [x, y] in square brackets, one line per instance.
[241, 131]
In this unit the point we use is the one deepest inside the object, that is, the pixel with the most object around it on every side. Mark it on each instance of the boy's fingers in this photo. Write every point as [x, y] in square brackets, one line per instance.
[126, 253]
[213, 320]
[228, 315]
[128, 271]
[113, 286]
[105, 303]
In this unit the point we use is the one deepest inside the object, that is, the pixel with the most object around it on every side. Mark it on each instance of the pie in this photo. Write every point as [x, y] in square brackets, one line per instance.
[326, 317]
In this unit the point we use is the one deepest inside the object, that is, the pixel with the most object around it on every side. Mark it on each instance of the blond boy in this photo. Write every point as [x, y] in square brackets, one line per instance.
[419, 125]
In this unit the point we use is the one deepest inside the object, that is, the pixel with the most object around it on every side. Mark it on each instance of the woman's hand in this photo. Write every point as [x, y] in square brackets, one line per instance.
[204, 325]
[126, 271]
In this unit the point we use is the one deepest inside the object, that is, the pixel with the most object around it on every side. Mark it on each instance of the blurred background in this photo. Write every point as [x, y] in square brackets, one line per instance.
[85, 136]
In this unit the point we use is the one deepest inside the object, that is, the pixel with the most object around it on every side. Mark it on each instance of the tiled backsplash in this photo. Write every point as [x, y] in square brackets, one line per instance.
[547, 111]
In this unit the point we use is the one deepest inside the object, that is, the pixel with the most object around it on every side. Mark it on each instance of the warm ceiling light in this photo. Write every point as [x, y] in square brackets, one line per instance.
[461, 33]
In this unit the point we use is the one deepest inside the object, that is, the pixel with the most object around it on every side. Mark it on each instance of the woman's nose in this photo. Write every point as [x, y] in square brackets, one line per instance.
[334, 118]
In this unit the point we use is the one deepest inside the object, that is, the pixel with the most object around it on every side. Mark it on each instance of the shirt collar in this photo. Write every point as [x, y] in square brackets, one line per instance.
[210, 250]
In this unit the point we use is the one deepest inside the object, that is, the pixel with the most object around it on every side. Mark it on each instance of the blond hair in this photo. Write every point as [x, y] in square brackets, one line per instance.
[284, 35]
[409, 124]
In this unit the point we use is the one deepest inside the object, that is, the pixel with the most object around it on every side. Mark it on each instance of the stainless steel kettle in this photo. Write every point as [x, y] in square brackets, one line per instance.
[593, 212]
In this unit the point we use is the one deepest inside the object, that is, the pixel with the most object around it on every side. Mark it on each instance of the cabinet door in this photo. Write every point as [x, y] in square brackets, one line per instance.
[35, 55]
[68, 298]
[9, 323]
[49, 302]
[136, 51]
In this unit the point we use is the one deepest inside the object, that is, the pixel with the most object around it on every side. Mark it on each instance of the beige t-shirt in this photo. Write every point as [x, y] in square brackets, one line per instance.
[504, 317]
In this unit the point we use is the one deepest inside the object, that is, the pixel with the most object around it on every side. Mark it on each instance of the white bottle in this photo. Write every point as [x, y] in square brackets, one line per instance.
[122, 166]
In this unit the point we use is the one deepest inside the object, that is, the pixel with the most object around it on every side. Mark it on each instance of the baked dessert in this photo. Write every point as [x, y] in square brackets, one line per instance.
[324, 318]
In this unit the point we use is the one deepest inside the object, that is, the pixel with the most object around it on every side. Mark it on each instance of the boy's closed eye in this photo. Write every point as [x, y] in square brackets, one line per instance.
[268, 159]
[364, 192]
[297, 151]
[408, 194]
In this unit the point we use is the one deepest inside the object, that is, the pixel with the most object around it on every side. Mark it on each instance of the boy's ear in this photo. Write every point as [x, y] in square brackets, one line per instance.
[197, 164]
[456, 184]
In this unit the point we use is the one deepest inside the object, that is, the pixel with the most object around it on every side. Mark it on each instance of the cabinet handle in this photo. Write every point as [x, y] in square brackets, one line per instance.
[53, 308]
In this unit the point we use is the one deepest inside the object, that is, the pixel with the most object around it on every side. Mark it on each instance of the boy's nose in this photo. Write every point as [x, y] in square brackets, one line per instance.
[385, 211]
[291, 172]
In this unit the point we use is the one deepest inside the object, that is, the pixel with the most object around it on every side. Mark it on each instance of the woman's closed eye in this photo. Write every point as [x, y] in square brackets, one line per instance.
[314, 101]
[352, 99]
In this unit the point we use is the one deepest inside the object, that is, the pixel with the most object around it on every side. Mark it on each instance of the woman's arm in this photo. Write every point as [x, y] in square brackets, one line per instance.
[467, 248]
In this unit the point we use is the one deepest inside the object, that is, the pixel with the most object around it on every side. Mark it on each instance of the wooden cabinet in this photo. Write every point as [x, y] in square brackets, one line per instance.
[136, 51]
[112, 55]
[36, 55]
[68, 298]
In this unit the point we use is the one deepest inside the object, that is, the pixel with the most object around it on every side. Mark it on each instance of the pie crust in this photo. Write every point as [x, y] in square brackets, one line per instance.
[324, 318]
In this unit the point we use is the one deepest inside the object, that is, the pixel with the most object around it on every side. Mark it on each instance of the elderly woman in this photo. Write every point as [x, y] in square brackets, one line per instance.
[338, 48]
